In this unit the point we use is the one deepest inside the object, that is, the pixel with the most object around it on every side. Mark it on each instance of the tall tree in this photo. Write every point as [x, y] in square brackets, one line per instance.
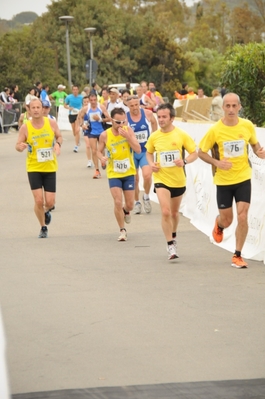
[210, 28]
[260, 7]
[245, 25]
[207, 66]
[244, 74]
[23, 61]
[26, 17]
[126, 46]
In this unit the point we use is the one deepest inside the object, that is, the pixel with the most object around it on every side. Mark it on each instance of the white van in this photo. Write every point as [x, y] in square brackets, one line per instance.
[122, 86]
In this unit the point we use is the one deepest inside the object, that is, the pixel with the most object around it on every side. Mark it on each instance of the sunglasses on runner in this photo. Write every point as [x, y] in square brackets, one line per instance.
[119, 122]
[132, 97]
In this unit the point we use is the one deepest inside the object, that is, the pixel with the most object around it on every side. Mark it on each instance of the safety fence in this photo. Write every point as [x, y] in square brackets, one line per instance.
[10, 113]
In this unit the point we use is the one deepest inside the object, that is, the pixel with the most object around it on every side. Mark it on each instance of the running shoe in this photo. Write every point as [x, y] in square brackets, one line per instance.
[97, 175]
[48, 218]
[137, 208]
[175, 246]
[43, 232]
[127, 218]
[172, 253]
[147, 205]
[217, 233]
[123, 235]
[75, 148]
[89, 164]
[238, 262]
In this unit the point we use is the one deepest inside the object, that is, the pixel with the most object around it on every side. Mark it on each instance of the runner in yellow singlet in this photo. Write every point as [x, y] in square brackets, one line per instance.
[228, 139]
[168, 166]
[42, 138]
[120, 142]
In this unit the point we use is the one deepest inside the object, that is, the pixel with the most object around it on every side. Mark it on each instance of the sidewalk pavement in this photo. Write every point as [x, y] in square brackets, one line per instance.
[86, 313]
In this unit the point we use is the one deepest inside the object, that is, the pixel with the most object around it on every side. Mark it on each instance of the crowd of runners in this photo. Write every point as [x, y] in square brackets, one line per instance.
[128, 131]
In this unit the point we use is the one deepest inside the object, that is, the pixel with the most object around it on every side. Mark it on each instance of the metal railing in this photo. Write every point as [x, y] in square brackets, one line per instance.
[10, 113]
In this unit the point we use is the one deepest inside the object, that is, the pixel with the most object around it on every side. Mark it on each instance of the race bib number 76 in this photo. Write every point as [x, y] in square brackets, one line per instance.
[233, 149]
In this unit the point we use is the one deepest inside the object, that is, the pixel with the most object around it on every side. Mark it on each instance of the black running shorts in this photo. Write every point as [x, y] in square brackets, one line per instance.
[240, 191]
[40, 179]
[72, 118]
[174, 191]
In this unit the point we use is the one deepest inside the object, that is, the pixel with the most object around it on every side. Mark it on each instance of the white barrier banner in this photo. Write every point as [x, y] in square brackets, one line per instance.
[4, 388]
[63, 121]
[199, 201]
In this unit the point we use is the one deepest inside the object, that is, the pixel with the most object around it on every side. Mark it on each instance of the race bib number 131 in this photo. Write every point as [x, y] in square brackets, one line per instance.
[167, 158]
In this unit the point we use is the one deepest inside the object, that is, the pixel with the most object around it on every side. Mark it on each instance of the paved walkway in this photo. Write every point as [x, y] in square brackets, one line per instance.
[84, 311]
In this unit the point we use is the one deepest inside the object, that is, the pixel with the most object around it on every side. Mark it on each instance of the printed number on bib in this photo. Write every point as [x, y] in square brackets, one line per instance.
[74, 111]
[45, 154]
[61, 101]
[92, 116]
[167, 158]
[141, 136]
[233, 149]
[122, 166]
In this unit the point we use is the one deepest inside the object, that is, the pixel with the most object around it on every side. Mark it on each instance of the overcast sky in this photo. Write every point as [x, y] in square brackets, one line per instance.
[10, 8]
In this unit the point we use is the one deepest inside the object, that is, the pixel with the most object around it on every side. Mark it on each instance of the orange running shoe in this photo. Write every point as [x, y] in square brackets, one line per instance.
[97, 175]
[217, 233]
[238, 262]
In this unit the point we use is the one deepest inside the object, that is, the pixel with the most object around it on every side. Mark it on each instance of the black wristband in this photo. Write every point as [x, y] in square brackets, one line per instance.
[185, 162]
[57, 142]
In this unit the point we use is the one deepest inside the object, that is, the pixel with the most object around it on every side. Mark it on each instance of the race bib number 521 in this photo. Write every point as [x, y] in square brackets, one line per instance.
[45, 154]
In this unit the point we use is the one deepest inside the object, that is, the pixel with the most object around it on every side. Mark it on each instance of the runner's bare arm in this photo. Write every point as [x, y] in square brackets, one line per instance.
[150, 103]
[150, 159]
[258, 150]
[224, 163]
[20, 121]
[21, 143]
[67, 106]
[128, 133]
[151, 118]
[105, 112]
[58, 136]
[80, 116]
[101, 147]
[189, 159]
[192, 157]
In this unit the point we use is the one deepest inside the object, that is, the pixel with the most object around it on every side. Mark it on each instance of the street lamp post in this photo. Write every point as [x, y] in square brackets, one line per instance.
[90, 31]
[67, 19]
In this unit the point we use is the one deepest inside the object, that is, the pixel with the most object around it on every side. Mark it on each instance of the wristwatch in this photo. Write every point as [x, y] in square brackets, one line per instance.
[185, 162]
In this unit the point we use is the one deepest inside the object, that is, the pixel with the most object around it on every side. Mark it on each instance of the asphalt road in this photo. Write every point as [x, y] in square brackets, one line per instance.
[82, 310]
